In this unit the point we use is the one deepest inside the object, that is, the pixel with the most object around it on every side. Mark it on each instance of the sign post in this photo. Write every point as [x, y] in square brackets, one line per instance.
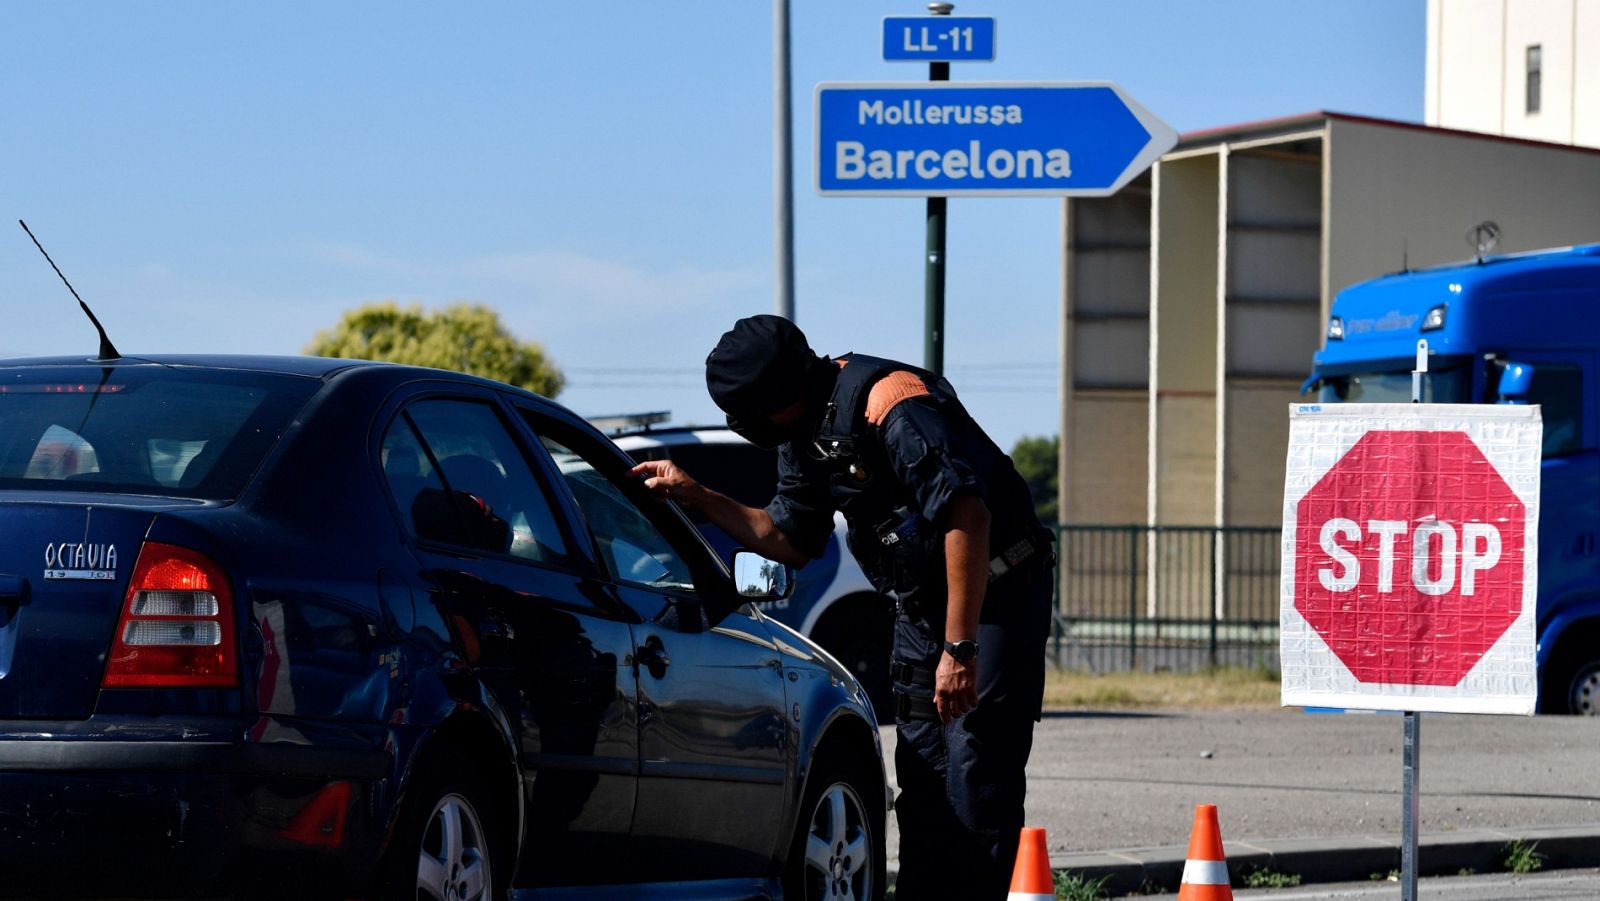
[1411, 751]
[933, 268]
[941, 140]
[1410, 565]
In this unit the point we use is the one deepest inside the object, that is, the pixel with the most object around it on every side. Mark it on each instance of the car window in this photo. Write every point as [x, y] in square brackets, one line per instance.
[631, 547]
[744, 472]
[1558, 389]
[460, 479]
[143, 430]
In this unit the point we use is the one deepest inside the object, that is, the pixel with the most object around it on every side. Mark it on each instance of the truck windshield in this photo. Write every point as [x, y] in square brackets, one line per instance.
[1443, 384]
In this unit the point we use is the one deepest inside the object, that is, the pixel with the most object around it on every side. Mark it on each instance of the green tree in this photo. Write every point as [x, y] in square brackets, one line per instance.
[464, 337]
[1035, 459]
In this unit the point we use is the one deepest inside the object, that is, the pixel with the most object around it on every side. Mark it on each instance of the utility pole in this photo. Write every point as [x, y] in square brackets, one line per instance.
[782, 164]
[933, 290]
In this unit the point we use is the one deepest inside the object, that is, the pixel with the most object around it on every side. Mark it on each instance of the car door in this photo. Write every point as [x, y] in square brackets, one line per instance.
[531, 619]
[713, 736]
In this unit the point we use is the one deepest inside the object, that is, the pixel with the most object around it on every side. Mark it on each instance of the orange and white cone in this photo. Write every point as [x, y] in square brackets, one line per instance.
[1205, 872]
[1030, 878]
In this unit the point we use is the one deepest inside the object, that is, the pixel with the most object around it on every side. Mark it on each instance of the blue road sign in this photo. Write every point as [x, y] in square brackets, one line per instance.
[938, 39]
[949, 140]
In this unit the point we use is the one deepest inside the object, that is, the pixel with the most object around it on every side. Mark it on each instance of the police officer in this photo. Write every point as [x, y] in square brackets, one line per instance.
[938, 517]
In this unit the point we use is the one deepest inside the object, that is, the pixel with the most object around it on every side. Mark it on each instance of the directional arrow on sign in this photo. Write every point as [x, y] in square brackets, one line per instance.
[1084, 139]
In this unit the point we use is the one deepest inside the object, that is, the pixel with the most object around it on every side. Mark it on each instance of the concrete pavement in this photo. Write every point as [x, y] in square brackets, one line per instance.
[1317, 795]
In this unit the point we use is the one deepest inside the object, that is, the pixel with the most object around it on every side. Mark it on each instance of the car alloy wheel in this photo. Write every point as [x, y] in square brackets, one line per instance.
[453, 862]
[838, 849]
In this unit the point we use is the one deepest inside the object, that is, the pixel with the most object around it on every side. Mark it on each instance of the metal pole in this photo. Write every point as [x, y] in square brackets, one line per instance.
[782, 164]
[933, 282]
[1133, 598]
[1410, 812]
[1216, 536]
[1411, 789]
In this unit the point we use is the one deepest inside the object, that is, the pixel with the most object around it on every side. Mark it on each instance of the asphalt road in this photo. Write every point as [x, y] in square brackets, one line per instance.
[1567, 884]
[1104, 781]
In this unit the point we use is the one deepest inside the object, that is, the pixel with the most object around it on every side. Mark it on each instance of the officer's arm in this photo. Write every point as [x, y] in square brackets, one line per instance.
[966, 561]
[751, 527]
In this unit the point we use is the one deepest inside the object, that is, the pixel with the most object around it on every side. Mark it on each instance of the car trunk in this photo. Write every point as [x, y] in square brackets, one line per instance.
[64, 570]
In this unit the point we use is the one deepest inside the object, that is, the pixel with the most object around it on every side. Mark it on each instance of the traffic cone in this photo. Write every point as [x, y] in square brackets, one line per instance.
[1205, 872]
[1031, 879]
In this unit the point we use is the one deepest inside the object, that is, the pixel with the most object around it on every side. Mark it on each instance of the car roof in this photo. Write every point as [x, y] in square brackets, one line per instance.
[676, 436]
[313, 367]
[322, 368]
[308, 367]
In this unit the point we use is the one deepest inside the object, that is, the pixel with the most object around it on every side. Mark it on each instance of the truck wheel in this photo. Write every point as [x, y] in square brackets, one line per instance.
[861, 636]
[1583, 689]
[838, 847]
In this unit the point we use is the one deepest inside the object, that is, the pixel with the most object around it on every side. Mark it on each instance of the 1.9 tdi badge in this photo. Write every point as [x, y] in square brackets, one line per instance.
[84, 562]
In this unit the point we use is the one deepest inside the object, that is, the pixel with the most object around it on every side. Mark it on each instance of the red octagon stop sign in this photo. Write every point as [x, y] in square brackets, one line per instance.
[1409, 557]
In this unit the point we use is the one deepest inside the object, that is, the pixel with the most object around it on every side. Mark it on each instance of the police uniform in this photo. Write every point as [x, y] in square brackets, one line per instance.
[891, 448]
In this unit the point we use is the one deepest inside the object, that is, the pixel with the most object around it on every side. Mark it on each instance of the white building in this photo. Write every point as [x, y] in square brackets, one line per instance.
[1519, 68]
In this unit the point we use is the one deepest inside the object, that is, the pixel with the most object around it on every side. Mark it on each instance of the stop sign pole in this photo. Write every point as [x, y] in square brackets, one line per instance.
[1410, 569]
[1411, 755]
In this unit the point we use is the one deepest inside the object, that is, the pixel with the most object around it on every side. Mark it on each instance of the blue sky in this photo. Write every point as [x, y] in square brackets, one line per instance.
[230, 177]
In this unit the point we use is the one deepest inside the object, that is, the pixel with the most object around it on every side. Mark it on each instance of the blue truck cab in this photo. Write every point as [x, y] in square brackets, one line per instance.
[1513, 329]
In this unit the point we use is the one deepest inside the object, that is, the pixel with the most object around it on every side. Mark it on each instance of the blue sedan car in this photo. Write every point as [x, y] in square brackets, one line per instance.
[337, 629]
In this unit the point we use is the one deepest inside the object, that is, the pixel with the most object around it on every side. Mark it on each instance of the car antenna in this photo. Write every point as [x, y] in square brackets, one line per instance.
[108, 351]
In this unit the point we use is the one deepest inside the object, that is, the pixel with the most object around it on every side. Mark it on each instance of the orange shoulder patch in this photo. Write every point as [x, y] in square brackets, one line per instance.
[889, 392]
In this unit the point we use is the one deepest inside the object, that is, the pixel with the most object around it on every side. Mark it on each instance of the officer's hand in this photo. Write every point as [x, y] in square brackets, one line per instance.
[955, 688]
[665, 479]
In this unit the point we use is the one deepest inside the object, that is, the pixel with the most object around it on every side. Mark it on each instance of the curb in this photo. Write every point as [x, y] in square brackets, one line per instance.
[1348, 858]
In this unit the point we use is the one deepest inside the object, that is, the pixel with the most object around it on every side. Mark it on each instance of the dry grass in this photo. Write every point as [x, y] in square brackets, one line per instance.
[1219, 688]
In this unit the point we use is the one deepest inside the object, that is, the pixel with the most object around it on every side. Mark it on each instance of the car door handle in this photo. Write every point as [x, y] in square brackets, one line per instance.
[652, 655]
[13, 590]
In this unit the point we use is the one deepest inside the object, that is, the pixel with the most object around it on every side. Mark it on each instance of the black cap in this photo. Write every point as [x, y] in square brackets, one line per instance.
[759, 367]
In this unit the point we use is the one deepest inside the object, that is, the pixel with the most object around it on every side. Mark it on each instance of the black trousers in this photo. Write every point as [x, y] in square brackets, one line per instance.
[962, 786]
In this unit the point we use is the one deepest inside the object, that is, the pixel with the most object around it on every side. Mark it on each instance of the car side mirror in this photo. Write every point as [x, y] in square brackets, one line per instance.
[1516, 381]
[759, 579]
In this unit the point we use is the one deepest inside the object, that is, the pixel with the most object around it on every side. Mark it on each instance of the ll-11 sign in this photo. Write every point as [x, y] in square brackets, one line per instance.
[996, 140]
[944, 39]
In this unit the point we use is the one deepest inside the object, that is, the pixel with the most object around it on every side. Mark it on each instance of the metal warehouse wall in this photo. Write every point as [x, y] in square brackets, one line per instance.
[1396, 187]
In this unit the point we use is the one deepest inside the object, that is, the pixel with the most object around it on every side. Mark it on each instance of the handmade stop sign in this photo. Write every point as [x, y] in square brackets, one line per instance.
[1410, 548]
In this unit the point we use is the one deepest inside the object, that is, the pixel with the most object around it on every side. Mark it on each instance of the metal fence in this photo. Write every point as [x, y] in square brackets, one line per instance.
[1178, 598]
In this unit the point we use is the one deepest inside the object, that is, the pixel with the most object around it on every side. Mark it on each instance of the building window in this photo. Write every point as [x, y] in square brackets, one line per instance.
[1535, 76]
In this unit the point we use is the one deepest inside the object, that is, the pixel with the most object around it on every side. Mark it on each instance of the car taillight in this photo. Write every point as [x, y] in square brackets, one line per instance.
[177, 624]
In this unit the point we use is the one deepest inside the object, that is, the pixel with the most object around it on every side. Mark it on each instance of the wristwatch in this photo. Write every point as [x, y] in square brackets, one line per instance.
[962, 651]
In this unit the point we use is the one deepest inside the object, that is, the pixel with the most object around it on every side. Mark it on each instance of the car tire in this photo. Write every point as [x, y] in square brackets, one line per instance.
[447, 844]
[838, 849]
[861, 636]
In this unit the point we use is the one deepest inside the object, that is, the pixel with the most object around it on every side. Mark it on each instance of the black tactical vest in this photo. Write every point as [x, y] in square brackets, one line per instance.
[897, 548]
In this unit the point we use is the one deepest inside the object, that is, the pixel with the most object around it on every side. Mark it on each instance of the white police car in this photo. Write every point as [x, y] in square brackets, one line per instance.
[833, 603]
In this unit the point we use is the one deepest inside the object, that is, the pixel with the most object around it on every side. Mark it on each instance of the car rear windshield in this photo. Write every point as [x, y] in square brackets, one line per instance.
[149, 430]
